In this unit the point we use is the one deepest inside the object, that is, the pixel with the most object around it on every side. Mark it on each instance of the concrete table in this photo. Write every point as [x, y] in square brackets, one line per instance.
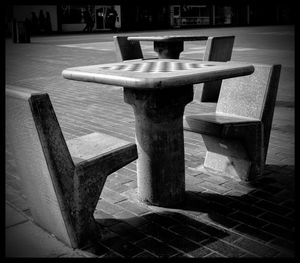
[158, 91]
[168, 47]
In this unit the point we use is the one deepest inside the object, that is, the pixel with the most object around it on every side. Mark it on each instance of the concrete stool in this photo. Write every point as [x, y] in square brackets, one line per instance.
[61, 180]
[237, 133]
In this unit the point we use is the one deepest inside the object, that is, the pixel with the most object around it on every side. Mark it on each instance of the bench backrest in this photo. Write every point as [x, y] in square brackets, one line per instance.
[217, 49]
[42, 157]
[127, 50]
[252, 96]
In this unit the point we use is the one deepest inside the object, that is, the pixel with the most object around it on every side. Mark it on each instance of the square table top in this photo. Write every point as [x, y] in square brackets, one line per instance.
[158, 73]
[168, 38]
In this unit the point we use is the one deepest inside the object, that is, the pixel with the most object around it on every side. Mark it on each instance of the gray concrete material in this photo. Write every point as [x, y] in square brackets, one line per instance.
[159, 138]
[62, 190]
[32, 163]
[165, 73]
[78, 105]
[12, 217]
[218, 48]
[29, 240]
[226, 157]
[126, 50]
[168, 47]
[252, 100]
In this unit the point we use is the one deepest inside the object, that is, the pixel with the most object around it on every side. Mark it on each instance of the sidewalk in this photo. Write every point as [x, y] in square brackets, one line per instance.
[221, 217]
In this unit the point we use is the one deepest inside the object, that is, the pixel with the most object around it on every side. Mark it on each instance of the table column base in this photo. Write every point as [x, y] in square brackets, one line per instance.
[160, 143]
[168, 50]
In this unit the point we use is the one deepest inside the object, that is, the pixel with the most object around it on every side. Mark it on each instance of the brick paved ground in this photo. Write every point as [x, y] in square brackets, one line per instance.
[221, 217]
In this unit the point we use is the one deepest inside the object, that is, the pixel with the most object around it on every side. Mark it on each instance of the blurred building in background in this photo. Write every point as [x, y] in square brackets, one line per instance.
[73, 15]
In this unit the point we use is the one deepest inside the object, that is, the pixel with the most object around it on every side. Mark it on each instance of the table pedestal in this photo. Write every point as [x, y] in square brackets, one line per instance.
[160, 143]
[168, 50]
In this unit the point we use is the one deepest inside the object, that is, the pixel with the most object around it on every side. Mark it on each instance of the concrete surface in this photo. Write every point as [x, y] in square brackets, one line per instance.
[221, 217]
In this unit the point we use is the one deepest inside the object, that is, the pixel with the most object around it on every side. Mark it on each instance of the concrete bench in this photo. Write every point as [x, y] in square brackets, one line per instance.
[62, 180]
[217, 49]
[237, 133]
[127, 50]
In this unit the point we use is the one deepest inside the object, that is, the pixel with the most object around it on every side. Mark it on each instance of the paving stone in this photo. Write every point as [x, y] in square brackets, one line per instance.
[200, 252]
[183, 244]
[279, 231]
[213, 187]
[117, 187]
[76, 254]
[131, 194]
[104, 219]
[248, 255]
[111, 254]
[189, 233]
[145, 254]
[288, 203]
[108, 208]
[278, 220]
[288, 247]
[256, 248]
[127, 172]
[94, 250]
[134, 207]
[216, 179]
[253, 232]
[128, 232]
[248, 219]
[213, 231]
[277, 209]
[157, 248]
[131, 218]
[237, 186]
[156, 231]
[161, 220]
[122, 247]
[225, 249]
[214, 255]
[218, 219]
[112, 196]
[181, 255]
[246, 208]
[192, 180]
[131, 185]
[221, 209]
[119, 177]
[262, 195]
[200, 225]
[194, 188]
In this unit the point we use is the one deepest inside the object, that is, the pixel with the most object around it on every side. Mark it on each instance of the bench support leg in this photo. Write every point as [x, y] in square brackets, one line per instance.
[238, 153]
[89, 181]
[168, 50]
[159, 138]
[226, 157]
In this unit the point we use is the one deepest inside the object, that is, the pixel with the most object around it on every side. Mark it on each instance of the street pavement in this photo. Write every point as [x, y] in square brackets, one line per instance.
[221, 217]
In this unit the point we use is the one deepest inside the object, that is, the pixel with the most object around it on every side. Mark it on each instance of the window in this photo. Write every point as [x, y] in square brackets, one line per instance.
[73, 14]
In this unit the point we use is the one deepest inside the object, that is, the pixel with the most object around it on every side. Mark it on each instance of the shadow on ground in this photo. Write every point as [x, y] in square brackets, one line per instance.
[265, 213]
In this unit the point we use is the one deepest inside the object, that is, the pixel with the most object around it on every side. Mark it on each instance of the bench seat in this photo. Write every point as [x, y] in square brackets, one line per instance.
[214, 123]
[62, 181]
[95, 144]
[237, 134]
